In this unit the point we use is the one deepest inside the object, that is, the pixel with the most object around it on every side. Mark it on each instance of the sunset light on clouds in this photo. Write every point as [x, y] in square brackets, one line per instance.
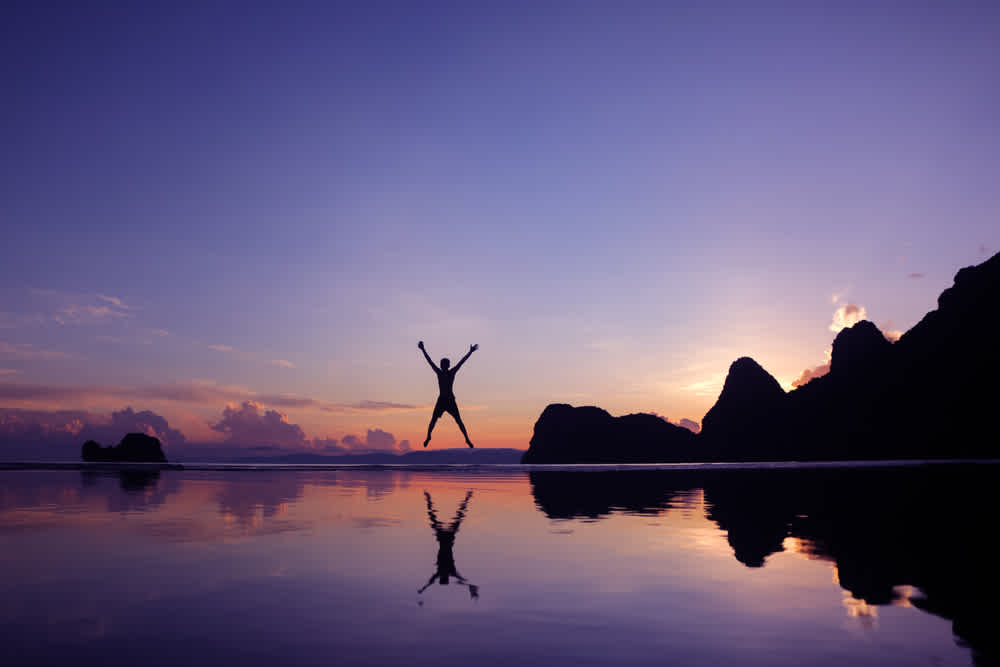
[229, 227]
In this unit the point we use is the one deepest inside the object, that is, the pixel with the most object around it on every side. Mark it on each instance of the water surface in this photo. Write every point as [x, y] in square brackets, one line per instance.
[860, 566]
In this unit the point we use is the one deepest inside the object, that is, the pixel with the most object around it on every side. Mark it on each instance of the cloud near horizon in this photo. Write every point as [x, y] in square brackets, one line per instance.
[33, 434]
[376, 440]
[27, 434]
[689, 424]
[252, 424]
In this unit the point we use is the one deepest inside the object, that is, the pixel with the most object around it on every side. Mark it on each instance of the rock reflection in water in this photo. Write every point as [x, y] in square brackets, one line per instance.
[886, 531]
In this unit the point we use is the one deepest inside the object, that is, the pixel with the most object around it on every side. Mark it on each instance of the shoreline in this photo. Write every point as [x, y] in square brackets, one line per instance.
[498, 467]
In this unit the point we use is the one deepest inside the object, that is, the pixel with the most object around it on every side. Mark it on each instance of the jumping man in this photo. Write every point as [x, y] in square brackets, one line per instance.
[446, 398]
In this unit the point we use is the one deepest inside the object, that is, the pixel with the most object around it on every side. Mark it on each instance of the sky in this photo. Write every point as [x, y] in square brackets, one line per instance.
[240, 218]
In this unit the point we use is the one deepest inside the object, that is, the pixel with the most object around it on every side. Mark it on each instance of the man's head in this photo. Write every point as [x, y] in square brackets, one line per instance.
[445, 364]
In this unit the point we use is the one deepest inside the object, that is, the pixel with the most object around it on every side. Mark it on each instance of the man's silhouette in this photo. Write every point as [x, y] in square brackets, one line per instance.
[446, 541]
[446, 397]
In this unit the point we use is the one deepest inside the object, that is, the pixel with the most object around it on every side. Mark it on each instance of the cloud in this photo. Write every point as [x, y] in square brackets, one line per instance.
[375, 440]
[252, 424]
[28, 352]
[130, 421]
[844, 317]
[58, 434]
[710, 387]
[916, 275]
[9, 371]
[352, 442]
[40, 306]
[367, 405]
[812, 373]
[205, 393]
[88, 309]
[113, 300]
[328, 445]
[250, 356]
[199, 392]
[15, 391]
[690, 425]
[10, 320]
[847, 316]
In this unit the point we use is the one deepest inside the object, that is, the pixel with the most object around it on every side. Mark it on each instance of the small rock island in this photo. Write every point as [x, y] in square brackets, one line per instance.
[134, 448]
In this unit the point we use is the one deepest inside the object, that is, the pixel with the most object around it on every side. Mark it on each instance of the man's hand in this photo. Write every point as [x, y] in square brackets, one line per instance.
[420, 345]
[473, 348]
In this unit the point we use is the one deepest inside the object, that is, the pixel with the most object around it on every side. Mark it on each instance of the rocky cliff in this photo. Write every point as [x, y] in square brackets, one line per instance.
[567, 434]
[930, 395]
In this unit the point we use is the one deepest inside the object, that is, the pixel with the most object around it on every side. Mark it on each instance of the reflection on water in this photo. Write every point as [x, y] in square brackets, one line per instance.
[803, 566]
[888, 532]
[445, 536]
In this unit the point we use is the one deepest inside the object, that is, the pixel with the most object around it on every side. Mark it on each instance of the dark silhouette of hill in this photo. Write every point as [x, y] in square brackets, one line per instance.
[567, 434]
[751, 401]
[433, 456]
[929, 395]
[926, 526]
[133, 448]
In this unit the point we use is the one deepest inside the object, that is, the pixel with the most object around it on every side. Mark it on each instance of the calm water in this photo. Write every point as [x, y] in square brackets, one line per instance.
[491, 566]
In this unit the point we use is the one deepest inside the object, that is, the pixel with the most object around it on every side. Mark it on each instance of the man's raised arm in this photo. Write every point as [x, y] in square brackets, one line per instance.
[472, 348]
[427, 357]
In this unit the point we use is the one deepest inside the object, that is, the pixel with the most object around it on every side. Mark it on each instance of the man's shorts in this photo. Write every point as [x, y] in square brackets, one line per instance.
[446, 404]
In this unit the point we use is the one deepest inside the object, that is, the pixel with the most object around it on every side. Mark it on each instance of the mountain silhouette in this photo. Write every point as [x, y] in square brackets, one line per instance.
[749, 403]
[929, 395]
[567, 434]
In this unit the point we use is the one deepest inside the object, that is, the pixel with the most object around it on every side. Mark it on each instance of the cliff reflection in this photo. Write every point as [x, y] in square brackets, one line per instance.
[885, 530]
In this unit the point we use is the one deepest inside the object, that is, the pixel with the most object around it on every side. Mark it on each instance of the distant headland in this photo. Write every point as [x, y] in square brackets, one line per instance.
[932, 394]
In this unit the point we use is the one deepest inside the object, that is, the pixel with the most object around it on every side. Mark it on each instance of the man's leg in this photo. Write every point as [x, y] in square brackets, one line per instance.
[461, 426]
[430, 427]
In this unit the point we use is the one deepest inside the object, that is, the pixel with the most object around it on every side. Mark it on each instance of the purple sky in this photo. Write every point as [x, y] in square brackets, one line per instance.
[214, 205]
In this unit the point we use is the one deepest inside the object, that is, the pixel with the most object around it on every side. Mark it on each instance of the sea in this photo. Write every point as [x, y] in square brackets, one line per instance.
[884, 563]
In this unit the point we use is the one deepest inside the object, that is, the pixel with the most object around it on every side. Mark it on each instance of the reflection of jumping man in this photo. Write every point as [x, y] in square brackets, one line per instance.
[446, 541]
[446, 398]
